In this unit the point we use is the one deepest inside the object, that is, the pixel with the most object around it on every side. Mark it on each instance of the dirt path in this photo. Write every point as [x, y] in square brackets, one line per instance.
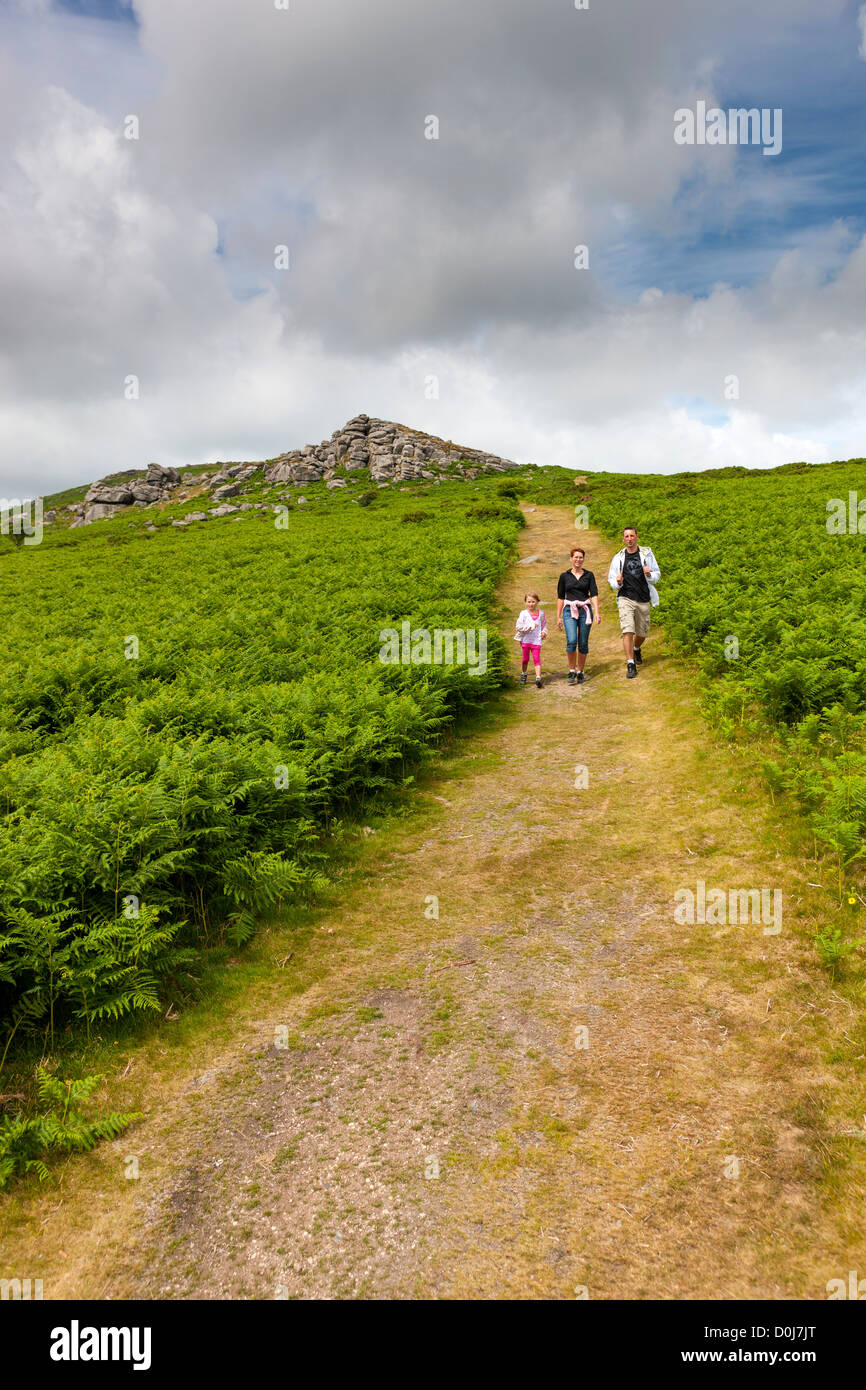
[433, 1121]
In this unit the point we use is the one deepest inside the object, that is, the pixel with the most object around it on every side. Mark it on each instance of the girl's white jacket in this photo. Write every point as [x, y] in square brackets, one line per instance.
[648, 559]
[529, 629]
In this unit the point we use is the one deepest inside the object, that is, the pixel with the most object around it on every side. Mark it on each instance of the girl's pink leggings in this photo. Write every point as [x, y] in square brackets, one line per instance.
[526, 648]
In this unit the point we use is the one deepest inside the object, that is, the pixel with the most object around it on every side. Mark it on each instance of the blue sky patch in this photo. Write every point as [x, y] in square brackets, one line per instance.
[118, 10]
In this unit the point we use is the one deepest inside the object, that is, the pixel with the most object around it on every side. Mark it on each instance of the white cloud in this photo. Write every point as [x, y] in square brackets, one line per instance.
[409, 257]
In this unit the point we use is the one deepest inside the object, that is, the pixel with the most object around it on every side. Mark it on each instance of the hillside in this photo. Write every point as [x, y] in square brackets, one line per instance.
[217, 831]
[364, 448]
[490, 1063]
[765, 590]
[186, 714]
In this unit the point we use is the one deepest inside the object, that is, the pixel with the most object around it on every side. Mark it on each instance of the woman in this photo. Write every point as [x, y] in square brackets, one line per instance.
[577, 607]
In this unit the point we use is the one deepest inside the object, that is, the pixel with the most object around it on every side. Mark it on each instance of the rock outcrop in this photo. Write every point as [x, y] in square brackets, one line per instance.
[107, 497]
[392, 452]
[159, 477]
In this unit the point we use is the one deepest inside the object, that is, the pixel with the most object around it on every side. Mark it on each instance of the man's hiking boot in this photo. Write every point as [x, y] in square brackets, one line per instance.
[637, 656]
[571, 677]
[630, 671]
[580, 678]
[523, 678]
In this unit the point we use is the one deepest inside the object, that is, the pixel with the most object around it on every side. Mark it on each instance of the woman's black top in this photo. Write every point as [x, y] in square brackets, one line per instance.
[571, 587]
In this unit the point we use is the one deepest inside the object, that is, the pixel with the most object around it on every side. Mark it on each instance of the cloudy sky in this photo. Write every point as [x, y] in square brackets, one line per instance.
[721, 318]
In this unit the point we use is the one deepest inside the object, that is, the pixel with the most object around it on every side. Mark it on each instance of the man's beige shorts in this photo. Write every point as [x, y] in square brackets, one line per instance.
[633, 616]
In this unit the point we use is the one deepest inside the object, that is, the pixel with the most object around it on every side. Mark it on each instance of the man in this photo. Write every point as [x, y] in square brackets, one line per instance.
[633, 574]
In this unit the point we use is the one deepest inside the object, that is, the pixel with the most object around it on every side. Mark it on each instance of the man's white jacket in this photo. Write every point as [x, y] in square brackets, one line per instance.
[648, 559]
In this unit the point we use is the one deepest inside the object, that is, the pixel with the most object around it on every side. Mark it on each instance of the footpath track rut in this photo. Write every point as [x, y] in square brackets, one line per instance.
[551, 1089]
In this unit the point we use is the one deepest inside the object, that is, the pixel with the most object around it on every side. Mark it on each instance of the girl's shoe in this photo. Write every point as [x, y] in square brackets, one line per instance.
[523, 678]
[538, 682]
[580, 678]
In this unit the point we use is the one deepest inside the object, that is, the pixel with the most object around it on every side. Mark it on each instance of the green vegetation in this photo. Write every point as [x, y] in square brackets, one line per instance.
[184, 716]
[61, 1127]
[772, 606]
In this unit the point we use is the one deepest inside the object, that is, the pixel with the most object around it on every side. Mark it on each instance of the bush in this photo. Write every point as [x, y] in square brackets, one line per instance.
[61, 1127]
[488, 511]
[720, 540]
[154, 806]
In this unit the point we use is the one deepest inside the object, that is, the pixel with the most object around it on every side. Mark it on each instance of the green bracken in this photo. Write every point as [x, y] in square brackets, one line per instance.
[185, 716]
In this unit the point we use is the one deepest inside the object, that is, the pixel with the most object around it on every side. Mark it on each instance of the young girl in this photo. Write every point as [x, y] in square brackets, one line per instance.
[531, 631]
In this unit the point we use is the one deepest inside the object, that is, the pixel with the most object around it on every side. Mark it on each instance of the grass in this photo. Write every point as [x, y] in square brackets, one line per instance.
[571, 1128]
